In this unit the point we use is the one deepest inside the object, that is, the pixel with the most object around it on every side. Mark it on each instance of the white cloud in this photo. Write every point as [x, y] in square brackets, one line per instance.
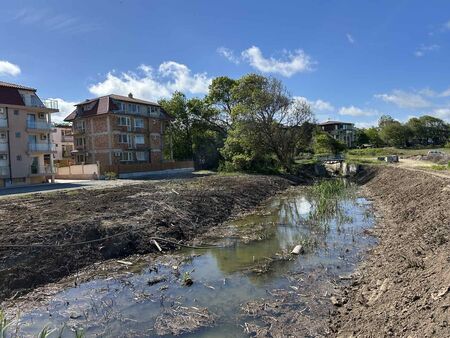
[445, 93]
[446, 25]
[53, 21]
[8, 68]
[294, 62]
[366, 125]
[424, 49]
[355, 111]
[350, 38]
[147, 84]
[404, 99]
[65, 108]
[442, 113]
[228, 54]
[317, 105]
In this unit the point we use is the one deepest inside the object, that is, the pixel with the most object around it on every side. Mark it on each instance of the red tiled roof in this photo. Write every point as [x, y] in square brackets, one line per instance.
[16, 86]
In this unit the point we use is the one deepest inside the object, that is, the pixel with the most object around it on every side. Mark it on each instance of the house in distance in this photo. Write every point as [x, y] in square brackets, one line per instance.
[344, 132]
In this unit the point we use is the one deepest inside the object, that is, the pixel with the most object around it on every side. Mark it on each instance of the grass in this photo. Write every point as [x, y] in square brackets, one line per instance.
[375, 152]
[440, 167]
[4, 324]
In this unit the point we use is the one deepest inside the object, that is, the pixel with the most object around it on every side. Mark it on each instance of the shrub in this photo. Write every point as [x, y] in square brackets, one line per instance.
[110, 175]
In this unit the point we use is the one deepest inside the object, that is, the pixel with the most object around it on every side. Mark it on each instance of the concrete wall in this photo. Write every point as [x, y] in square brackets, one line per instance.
[78, 172]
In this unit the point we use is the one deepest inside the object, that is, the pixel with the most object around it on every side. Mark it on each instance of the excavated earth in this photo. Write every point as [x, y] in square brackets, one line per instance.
[35, 230]
[403, 287]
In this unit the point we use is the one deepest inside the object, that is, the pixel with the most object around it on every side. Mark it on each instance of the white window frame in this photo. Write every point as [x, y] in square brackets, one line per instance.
[126, 156]
[124, 138]
[140, 158]
[139, 137]
[140, 124]
[126, 119]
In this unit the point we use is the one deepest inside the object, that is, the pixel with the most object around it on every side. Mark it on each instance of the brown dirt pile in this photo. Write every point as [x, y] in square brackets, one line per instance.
[404, 286]
[181, 210]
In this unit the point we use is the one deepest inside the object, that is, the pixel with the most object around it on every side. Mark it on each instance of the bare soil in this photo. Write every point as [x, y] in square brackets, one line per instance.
[403, 288]
[180, 210]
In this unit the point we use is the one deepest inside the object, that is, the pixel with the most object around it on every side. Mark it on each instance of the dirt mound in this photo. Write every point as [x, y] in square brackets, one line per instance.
[404, 288]
[181, 210]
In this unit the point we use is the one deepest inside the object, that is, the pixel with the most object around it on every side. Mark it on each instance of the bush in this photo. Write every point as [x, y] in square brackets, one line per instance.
[447, 145]
[110, 175]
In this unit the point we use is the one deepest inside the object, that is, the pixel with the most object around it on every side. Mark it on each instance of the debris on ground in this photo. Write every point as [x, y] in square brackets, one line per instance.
[181, 320]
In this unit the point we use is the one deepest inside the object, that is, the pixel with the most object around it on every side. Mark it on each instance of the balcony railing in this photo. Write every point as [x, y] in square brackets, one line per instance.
[3, 147]
[67, 138]
[3, 123]
[39, 125]
[4, 171]
[51, 104]
[42, 170]
[41, 147]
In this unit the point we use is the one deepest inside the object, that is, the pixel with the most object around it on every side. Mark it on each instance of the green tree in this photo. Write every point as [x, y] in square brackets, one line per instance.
[324, 144]
[374, 137]
[266, 117]
[395, 134]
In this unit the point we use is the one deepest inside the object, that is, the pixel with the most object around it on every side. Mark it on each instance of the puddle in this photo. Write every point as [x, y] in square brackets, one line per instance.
[224, 278]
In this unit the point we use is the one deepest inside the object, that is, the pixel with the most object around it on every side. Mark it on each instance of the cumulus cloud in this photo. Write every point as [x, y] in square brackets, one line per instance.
[356, 112]
[350, 38]
[65, 108]
[404, 99]
[229, 55]
[442, 113]
[293, 62]
[424, 49]
[316, 105]
[153, 85]
[446, 25]
[8, 68]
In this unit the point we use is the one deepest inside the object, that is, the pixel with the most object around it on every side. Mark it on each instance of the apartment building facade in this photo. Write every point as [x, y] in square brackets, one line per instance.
[25, 136]
[117, 131]
[344, 132]
[63, 141]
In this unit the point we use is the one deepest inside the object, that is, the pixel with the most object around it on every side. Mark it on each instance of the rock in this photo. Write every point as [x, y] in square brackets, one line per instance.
[335, 301]
[156, 280]
[297, 250]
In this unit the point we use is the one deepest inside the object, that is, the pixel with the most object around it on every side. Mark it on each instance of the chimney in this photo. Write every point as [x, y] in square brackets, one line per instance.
[130, 95]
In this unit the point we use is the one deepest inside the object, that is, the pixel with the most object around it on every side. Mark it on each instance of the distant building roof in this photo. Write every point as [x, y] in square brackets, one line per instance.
[15, 86]
[333, 122]
[120, 98]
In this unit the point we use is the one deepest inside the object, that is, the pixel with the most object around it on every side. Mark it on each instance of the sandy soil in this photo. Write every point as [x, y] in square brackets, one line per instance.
[403, 288]
[181, 210]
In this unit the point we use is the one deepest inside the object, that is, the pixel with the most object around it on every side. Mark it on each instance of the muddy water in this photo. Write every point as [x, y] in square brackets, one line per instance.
[226, 278]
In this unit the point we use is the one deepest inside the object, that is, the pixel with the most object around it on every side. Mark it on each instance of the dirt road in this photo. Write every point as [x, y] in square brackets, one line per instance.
[403, 289]
[124, 217]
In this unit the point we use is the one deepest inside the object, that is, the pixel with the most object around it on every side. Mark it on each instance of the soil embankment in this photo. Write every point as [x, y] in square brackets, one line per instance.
[181, 210]
[403, 288]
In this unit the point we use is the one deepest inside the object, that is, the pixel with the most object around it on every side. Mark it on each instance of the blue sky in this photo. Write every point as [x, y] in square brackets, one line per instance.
[352, 60]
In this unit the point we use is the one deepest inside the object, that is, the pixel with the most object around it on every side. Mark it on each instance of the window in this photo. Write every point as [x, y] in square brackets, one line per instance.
[139, 139]
[79, 142]
[124, 121]
[18, 134]
[3, 157]
[16, 112]
[43, 137]
[123, 138]
[41, 115]
[19, 157]
[139, 123]
[126, 156]
[132, 108]
[80, 125]
[140, 156]
[2, 136]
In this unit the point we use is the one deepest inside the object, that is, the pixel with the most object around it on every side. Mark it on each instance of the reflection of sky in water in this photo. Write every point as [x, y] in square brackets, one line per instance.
[110, 307]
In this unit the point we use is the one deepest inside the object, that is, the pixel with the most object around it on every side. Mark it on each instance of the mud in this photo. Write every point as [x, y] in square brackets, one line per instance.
[128, 216]
[403, 288]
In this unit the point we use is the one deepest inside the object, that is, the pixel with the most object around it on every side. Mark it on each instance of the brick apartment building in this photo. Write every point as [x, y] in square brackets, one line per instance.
[25, 136]
[123, 134]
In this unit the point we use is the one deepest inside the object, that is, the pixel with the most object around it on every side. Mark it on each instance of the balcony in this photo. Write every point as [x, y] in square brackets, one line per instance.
[41, 148]
[67, 138]
[42, 170]
[35, 125]
[31, 100]
[4, 171]
[78, 131]
[3, 147]
[50, 104]
[3, 123]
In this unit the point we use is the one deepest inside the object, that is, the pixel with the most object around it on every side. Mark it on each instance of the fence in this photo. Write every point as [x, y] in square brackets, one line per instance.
[79, 172]
[147, 167]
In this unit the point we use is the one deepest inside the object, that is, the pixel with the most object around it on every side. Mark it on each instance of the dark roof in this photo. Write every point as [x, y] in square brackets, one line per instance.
[333, 122]
[105, 104]
[120, 98]
[15, 86]
[10, 95]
